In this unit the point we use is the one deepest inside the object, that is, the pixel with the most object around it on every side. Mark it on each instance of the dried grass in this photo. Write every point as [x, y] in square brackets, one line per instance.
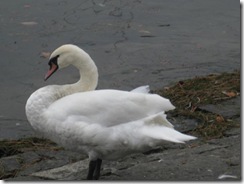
[188, 95]
[12, 147]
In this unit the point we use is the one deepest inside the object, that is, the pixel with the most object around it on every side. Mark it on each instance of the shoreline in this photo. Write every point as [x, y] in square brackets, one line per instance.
[207, 119]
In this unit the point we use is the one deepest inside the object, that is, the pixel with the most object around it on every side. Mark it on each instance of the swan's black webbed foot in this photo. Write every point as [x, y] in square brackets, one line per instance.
[94, 169]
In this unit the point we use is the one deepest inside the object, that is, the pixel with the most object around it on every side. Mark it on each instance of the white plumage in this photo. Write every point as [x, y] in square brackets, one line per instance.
[104, 124]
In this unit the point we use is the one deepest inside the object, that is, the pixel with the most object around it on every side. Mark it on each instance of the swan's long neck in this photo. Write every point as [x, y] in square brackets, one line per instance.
[88, 79]
[41, 99]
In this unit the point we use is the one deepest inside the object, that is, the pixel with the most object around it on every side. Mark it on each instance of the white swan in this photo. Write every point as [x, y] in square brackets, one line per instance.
[104, 124]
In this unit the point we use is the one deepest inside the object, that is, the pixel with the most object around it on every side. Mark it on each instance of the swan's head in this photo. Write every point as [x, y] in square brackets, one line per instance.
[64, 56]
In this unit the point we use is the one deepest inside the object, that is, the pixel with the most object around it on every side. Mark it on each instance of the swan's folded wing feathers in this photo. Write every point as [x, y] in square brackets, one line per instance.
[159, 119]
[109, 107]
[141, 89]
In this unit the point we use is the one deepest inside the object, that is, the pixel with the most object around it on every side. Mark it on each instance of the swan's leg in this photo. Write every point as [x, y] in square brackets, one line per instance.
[92, 167]
[97, 169]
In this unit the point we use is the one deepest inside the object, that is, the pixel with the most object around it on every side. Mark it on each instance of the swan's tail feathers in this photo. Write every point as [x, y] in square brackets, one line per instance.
[167, 134]
[141, 89]
[158, 127]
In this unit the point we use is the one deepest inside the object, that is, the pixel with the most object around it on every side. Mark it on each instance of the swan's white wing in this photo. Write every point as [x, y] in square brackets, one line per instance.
[141, 89]
[108, 107]
[109, 124]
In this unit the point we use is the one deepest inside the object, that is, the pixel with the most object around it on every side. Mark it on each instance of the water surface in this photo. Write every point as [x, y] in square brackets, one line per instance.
[132, 42]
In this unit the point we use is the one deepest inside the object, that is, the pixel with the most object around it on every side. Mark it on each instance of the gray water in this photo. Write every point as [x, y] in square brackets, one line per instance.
[133, 43]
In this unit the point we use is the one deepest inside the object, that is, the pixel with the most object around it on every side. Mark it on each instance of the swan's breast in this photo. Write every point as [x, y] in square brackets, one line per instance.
[37, 104]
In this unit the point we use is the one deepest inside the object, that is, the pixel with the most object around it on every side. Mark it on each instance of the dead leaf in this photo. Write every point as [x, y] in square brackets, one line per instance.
[181, 83]
[229, 94]
[144, 31]
[193, 145]
[27, 6]
[193, 108]
[31, 23]
[45, 55]
[219, 119]
[166, 88]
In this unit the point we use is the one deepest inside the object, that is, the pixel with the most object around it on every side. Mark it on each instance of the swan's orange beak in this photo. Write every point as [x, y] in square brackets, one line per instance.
[53, 68]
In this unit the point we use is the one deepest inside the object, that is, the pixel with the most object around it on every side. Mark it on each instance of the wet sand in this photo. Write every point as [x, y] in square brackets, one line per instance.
[132, 42]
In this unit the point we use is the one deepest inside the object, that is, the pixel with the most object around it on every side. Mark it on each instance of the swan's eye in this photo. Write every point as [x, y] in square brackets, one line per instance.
[53, 60]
